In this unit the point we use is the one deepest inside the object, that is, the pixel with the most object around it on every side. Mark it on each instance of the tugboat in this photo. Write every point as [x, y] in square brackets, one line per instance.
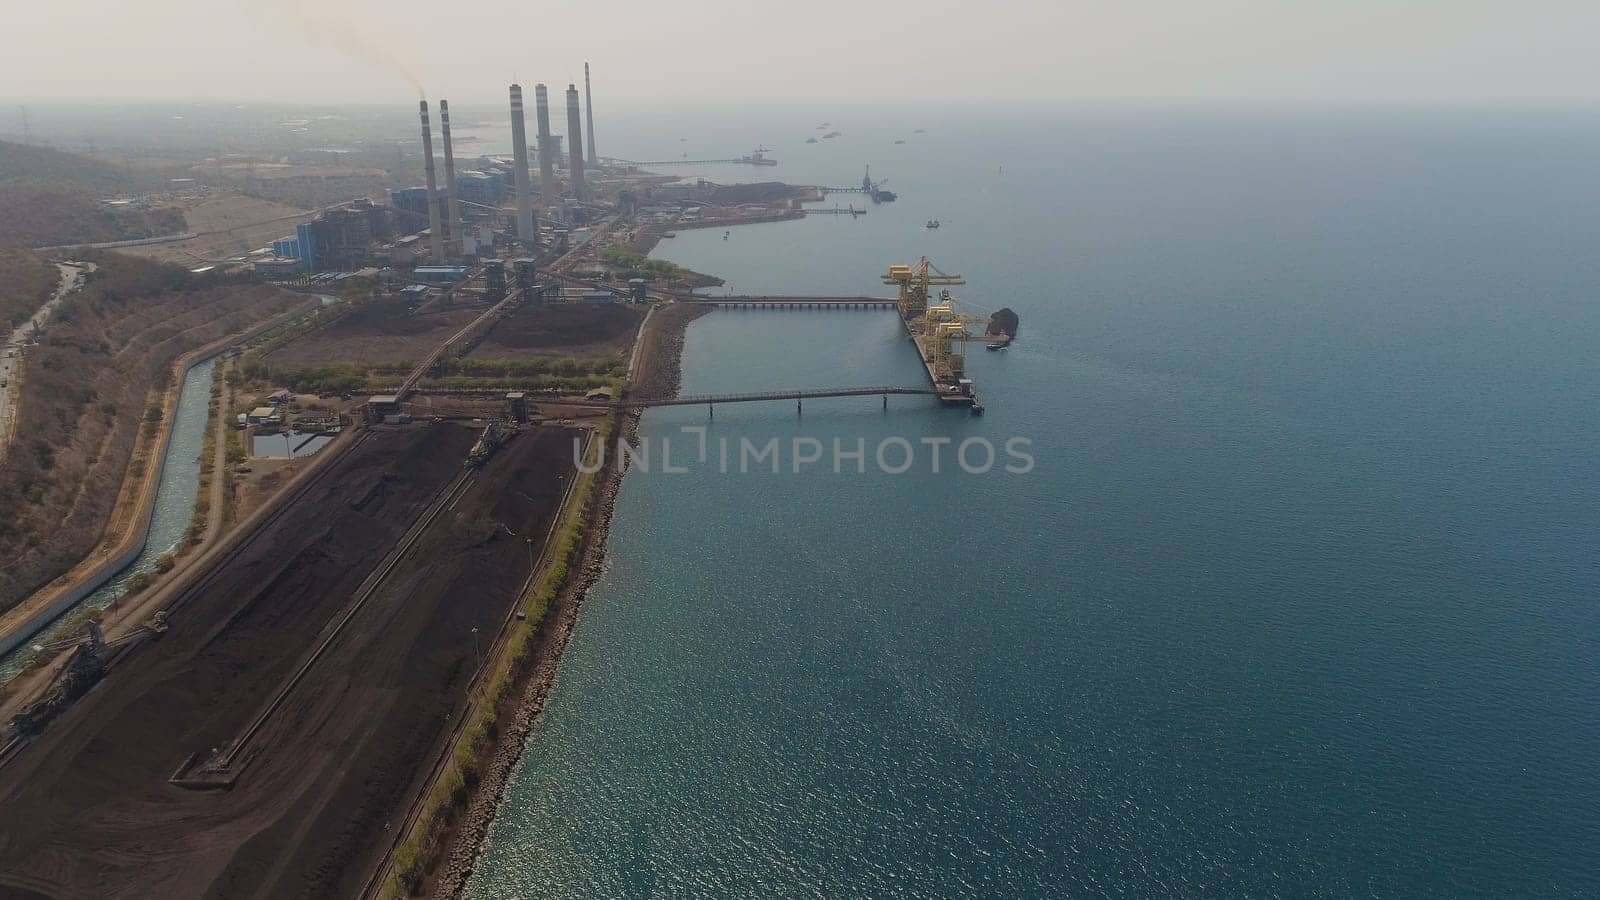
[932, 223]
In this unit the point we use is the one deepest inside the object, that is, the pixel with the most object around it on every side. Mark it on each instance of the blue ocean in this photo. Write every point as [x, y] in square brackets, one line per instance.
[1301, 596]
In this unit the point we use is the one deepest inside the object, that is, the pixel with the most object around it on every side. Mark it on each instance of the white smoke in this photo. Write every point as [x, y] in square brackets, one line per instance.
[325, 25]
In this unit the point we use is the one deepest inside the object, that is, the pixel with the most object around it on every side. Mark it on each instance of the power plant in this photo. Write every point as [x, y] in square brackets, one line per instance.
[508, 317]
[435, 236]
[547, 150]
[588, 112]
[452, 189]
[519, 140]
[575, 143]
[442, 230]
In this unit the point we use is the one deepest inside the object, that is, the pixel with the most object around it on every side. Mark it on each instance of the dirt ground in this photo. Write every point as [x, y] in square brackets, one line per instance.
[380, 330]
[577, 330]
[89, 810]
[227, 224]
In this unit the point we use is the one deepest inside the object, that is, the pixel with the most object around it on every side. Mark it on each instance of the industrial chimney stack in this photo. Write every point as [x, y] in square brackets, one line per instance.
[458, 234]
[435, 238]
[588, 112]
[575, 142]
[519, 142]
[547, 153]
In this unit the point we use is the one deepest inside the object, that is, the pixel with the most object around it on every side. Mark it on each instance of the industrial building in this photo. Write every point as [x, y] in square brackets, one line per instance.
[439, 274]
[461, 215]
[339, 238]
[482, 189]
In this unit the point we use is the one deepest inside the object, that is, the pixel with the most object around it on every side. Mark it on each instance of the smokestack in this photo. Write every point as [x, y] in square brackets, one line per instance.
[547, 153]
[435, 239]
[588, 112]
[574, 142]
[457, 234]
[519, 142]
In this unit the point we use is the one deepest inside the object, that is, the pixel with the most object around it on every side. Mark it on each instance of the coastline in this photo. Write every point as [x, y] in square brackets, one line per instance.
[458, 848]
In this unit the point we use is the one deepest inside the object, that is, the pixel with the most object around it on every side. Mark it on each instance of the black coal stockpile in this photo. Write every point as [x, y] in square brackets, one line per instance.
[1003, 322]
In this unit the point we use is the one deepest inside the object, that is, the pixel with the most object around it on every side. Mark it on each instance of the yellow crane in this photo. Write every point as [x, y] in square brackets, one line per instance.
[944, 332]
[914, 281]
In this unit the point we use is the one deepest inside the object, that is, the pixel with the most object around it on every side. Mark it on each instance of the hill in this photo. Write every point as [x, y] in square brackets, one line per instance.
[47, 166]
[91, 384]
[26, 282]
[52, 197]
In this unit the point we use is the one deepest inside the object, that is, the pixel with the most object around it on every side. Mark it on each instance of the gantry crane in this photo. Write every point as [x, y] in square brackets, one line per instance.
[945, 331]
[914, 281]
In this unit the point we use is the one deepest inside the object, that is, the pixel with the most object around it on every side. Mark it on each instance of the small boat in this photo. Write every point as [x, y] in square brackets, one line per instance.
[811, 140]
[932, 223]
[901, 141]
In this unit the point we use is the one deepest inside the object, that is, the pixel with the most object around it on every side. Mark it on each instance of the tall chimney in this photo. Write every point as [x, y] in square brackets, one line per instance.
[588, 112]
[574, 142]
[519, 142]
[435, 239]
[547, 153]
[457, 233]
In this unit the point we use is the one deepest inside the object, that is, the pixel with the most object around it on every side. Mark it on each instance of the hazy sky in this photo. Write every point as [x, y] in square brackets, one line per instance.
[1147, 50]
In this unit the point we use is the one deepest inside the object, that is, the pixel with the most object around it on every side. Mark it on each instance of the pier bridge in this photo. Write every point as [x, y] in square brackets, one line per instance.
[573, 401]
[754, 159]
[714, 399]
[792, 301]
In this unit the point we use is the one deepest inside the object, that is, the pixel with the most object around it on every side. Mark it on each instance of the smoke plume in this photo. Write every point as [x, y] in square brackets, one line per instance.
[324, 26]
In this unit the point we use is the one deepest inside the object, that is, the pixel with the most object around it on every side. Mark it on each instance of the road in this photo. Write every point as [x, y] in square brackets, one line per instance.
[72, 276]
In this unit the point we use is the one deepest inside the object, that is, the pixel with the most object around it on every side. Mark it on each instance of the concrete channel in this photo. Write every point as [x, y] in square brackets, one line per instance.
[169, 513]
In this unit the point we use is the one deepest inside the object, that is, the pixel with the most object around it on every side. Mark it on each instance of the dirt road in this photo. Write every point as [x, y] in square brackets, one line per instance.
[72, 275]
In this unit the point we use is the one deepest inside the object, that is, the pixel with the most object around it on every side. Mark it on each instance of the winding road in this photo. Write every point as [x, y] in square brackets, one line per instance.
[72, 275]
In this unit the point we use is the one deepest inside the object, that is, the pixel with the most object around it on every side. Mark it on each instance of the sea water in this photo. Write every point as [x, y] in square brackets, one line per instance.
[1298, 598]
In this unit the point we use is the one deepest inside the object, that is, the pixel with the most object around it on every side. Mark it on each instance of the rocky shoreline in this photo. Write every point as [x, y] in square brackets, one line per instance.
[662, 374]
